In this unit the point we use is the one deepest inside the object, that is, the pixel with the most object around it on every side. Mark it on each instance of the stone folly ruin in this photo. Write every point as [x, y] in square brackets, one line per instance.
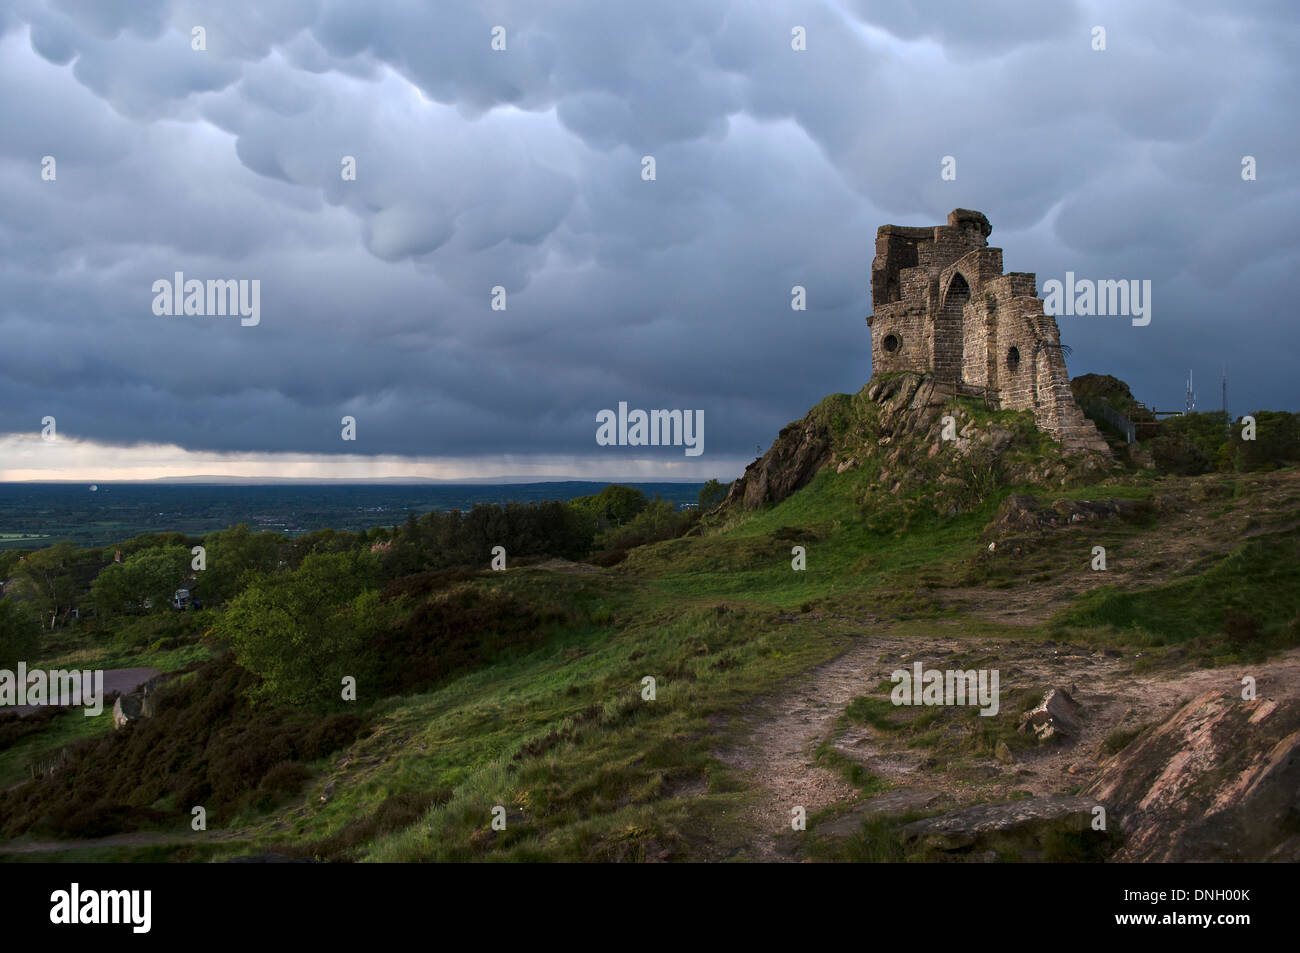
[941, 305]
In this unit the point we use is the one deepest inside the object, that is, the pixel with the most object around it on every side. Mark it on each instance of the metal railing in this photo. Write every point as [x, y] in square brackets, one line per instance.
[1100, 407]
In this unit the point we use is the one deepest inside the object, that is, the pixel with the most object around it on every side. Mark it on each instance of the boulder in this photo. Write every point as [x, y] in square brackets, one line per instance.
[1057, 715]
[132, 707]
[1018, 826]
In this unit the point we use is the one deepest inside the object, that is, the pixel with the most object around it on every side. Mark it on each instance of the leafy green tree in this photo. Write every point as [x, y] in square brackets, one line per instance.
[9, 559]
[148, 579]
[712, 493]
[658, 521]
[45, 578]
[151, 541]
[613, 506]
[303, 631]
[231, 555]
[19, 634]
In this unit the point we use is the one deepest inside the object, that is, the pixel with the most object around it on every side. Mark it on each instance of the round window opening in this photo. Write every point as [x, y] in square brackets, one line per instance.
[891, 343]
[1013, 358]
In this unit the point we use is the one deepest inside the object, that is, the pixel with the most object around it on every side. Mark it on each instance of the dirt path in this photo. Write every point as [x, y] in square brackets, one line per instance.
[134, 839]
[782, 734]
[121, 680]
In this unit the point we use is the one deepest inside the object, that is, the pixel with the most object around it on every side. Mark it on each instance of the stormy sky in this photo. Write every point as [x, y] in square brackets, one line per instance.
[523, 168]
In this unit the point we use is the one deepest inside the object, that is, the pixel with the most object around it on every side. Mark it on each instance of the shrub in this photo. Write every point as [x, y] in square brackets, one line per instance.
[19, 634]
[204, 745]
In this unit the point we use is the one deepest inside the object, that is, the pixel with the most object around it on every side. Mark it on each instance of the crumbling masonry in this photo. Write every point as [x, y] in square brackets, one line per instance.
[941, 305]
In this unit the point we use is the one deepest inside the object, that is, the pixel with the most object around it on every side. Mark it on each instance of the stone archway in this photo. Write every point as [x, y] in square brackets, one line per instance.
[949, 339]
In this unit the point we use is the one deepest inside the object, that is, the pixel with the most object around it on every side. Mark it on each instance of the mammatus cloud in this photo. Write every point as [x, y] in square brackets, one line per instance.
[387, 175]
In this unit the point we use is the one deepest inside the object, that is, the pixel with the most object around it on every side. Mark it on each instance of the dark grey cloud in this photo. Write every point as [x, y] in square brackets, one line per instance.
[522, 169]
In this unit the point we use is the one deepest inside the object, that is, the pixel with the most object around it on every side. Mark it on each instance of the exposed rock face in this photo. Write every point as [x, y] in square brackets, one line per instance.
[898, 431]
[887, 804]
[1218, 780]
[1057, 715]
[1020, 514]
[908, 402]
[908, 405]
[799, 451]
[992, 826]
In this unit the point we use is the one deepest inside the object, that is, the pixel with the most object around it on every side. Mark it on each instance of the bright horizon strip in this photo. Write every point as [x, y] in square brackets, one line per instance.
[26, 458]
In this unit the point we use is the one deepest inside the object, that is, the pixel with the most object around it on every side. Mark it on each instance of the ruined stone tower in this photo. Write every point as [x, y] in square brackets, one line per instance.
[941, 305]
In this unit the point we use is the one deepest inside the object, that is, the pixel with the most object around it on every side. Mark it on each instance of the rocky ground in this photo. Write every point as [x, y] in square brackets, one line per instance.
[1206, 753]
[784, 735]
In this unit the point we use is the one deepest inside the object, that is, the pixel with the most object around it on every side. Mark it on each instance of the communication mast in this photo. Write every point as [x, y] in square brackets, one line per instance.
[1223, 385]
[1191, 395]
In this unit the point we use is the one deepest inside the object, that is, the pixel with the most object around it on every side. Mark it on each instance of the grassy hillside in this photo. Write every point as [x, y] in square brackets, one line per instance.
[554, 723]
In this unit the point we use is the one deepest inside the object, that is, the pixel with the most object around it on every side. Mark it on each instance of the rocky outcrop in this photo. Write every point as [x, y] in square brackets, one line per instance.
[908, 403]
[894, 430]
[799, 451]
[1016, 828]
[1022, 515]
[1218, 780]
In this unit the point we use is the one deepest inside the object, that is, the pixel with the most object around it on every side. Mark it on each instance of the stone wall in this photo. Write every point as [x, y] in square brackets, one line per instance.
[942, 305]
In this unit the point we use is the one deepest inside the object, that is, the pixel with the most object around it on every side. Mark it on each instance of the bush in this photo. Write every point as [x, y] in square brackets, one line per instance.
[204, 745]
[659, 520]
[284, 779]
[450, 632]
[1177, 453]
[1276, 443]
[19, 634]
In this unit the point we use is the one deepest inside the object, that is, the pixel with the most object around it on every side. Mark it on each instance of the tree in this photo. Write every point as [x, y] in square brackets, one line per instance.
[148, 579]
[45, 578]
[712, 493]
[19, 634]
[612, 506]
[304, 631]
[231, 554]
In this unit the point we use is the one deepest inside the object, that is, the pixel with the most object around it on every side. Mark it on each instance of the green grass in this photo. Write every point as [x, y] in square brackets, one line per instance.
[560, 736]
[67, 727]
[73, 725]
[877, 841]
[1121, 738]
[1261, 579]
